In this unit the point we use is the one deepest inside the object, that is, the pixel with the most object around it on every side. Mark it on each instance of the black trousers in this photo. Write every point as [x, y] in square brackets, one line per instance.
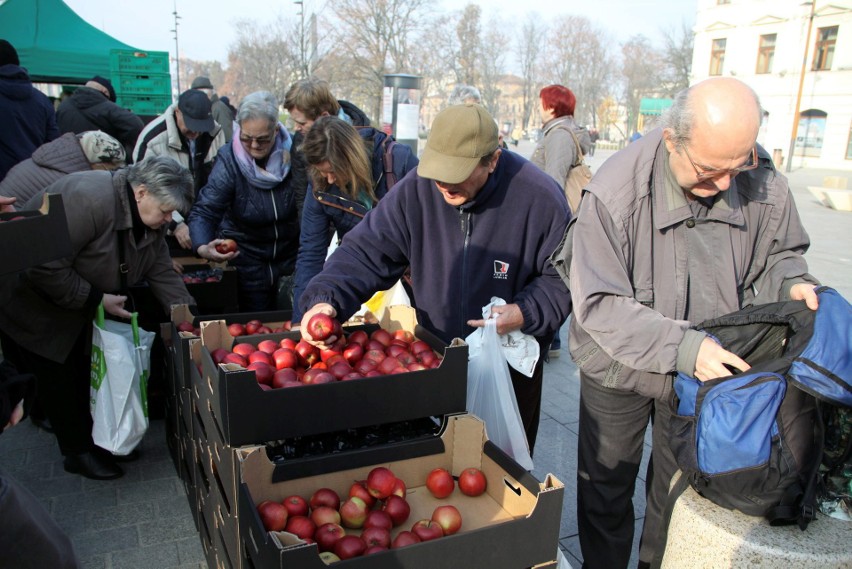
[63, 389]
[610, 445]
[528, 394]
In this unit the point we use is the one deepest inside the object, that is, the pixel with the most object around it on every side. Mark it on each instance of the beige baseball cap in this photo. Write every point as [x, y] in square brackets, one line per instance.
[461, 135]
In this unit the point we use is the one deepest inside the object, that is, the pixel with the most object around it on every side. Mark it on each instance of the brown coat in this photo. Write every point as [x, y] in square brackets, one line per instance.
[48, 308]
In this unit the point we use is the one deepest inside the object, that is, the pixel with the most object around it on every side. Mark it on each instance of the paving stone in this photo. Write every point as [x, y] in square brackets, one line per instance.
[106, 541]
[164, 530]
[157, 556]
[147, 490]
[122, 516]
[171, 507]
[190, 551]
[94, 562]
[99, 498]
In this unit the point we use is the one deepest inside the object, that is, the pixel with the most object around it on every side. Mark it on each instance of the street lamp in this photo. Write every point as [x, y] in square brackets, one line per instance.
[796, 116]
[177, 53]
[302, 62]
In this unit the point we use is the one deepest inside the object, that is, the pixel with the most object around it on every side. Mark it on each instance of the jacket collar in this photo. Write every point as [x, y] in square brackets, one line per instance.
[671, 206]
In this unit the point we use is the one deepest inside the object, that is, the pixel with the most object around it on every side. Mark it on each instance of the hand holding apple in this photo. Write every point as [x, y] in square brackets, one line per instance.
[211, 251]
[320, 308]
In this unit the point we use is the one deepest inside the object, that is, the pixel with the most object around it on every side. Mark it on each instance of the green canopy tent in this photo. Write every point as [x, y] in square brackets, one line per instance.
[54, 44]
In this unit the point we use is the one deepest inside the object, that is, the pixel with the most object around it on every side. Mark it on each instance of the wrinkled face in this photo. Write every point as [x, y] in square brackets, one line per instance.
[257, 137]
[153, 213]
[463, 192]
[188, 134]
[705, 169]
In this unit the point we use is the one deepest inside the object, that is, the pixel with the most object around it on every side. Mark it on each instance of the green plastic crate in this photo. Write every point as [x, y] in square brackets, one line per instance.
[130, 62]
[148, 85]
[144, 105]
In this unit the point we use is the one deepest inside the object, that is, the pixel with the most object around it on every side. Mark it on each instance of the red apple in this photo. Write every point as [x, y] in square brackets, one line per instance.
[397, 508]
[375, 356]
[472, 482]
[273, 515]
[296, 505]
[406, 359]
[378, 519]
[252, 326]
[440, 483]
[308, 353]
[263, 372]
[327, 535]
[259, 356]
[288, 343]
[359, 337]
[226, 246]
[301, 526]
[236, 329]
[427, 358]
[218, 355]
[185, 326]
[399, 488]
[285, 358]
[340, 369]
[268, 346]
[359, 489]
[404, 335]
[376, 536]
[364, 366]
[427, 530]
[415, 366]
[420, 346]
[325, 515]
[374, 549]
[231, 358]
[243, 349]
[316, 376]
[353, 352]
[383, 336]
[448, 517]
[380, 482]
[264, 330]
[349, 546]
[325, 497]
[395, 350]
[387, 365]
[375, 345]
[284, 375]
[404, 538]
[353, 512]
[320, 326]
[352, 375]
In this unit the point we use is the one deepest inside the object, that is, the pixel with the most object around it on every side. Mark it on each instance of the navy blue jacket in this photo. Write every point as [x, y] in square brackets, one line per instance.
[27, 119]
[332, 207]
[497, 245]
[264, 223]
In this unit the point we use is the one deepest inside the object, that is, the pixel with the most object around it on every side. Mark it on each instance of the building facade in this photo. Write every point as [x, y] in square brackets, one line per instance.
[768, 45]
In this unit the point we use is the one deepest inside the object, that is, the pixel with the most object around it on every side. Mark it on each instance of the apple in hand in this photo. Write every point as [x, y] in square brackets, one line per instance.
[448, 517]
[440, 483]
[320, 326]
[226, 246]
[472, 482]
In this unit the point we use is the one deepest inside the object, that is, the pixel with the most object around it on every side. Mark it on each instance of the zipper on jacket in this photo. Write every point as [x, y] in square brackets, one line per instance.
[275, 242]
[465, 223]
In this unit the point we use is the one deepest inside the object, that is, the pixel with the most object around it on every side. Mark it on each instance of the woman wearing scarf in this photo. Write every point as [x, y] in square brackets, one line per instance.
[249, 198]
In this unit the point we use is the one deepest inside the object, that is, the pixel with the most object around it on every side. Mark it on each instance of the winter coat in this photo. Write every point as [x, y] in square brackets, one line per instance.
[52, 303]
[27, 119]
[331, 207]
[632, 243]
[49, 162]
[499, 245]
[162, 137]
[264, 223]
[556, 152]
[224, 117]
[89, 109]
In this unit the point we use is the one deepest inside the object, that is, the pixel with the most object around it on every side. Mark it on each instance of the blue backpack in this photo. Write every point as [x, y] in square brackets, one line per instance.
[754, 441]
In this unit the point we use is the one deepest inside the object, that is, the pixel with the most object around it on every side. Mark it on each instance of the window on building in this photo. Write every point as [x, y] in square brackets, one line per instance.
[717, 56]
[809, 135]
[765, 53]
[824, 49]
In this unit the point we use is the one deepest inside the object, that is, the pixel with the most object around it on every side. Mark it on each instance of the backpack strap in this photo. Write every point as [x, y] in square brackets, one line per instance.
[387, 159]
[578, 160]
[676, 492]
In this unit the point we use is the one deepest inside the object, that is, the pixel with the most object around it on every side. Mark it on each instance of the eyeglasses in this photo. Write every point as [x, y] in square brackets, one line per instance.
[258, 140]
[707, 174]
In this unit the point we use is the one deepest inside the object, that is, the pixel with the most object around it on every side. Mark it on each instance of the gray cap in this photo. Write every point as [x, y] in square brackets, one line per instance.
[201, 83]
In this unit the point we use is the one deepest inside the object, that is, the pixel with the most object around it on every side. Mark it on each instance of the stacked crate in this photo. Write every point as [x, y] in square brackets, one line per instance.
[141, 80]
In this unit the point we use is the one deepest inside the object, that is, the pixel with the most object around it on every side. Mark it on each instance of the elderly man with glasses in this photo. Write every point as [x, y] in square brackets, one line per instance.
[690, 222]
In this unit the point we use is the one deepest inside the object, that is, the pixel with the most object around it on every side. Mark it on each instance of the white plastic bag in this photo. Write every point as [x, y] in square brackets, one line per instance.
[520, 350]
[491, 397]
[121, 358]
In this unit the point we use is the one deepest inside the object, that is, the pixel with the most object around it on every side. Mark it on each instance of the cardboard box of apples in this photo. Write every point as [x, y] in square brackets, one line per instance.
[464, 504]
[238, 389]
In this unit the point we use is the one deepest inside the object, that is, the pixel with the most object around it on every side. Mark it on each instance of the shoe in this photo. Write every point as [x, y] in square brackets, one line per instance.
[42, 423]
[132, 457]
[93, 465]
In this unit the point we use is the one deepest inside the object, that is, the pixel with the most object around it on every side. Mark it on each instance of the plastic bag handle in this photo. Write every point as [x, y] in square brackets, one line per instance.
[134, 322]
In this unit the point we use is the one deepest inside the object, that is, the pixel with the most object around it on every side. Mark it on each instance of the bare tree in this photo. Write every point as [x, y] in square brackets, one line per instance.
[677, 55]
[469, 55]
[642, 70]
[492, 66]
[528, 53]
[190, 69]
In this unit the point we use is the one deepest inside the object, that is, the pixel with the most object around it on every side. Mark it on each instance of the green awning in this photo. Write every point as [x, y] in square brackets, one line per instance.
[654, 106]
[54, 44]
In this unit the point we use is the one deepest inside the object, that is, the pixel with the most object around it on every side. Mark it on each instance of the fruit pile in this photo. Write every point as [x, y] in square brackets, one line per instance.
[372, 510]
[203, 276]
[237, 329]
[289, 363]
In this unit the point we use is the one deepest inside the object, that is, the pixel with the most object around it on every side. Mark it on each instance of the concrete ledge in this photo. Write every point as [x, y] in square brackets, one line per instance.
[702, 534]
[834, 198]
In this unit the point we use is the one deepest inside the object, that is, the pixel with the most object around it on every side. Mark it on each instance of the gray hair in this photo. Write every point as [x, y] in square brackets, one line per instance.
[465, 94]
[259, 105]
[680, 117]
[170, 183]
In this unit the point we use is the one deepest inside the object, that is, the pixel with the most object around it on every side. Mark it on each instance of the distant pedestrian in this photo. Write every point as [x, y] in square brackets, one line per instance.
[222, 113]
[593, 138]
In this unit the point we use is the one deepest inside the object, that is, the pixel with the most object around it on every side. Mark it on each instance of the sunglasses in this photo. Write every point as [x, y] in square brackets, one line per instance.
[708, 174]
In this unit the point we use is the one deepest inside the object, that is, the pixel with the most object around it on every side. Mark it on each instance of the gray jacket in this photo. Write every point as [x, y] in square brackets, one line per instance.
[631, 262]
[557, 151]
[48, 163]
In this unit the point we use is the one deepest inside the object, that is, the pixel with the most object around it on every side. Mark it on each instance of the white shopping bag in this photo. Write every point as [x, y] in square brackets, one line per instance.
[121, 358]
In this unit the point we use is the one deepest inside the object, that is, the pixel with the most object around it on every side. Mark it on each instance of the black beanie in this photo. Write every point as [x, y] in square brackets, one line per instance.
[107, 84]
[8, 54]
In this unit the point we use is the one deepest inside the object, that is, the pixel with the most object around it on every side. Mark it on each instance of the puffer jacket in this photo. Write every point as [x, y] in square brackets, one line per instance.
[49, 162]
[264, 223]
[88, 109]
[52, 303]
[332, 207]
[27, 119]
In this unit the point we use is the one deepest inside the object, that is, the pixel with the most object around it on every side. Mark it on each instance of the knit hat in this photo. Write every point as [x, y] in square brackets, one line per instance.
[201, 83]
[8, 54]
[197, 111]
[99, 147]
[105, 82]
[461, 135]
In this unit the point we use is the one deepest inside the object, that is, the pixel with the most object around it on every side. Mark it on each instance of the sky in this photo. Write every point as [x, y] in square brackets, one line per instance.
[206, 26]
